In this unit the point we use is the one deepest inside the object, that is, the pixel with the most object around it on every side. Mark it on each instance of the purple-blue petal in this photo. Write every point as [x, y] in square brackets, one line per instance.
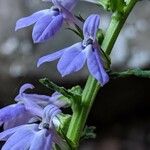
[68, 4]
[33, 108]
[55, 100]
[46, 27]
[7, 133]
[49, 113]
[22, 118]
[91, 26]
[27, 21]
[48, 144]
[41, 100]
[11, 112]
[50, 57]
[23, 144]
[24, 87]
[72, 59]
[26, 131]
[96, 68]
[41, 137]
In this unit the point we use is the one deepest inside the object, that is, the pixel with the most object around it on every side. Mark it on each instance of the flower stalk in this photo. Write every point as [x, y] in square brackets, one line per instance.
[80, 113]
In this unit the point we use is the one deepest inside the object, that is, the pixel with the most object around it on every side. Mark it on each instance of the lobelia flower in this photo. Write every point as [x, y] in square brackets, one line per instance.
[73, 58]
[34, 136]
[27, 106]
[49, 21]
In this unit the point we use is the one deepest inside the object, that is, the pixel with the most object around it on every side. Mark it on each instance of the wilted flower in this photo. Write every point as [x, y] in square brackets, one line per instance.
[49, 21]
[73, 58]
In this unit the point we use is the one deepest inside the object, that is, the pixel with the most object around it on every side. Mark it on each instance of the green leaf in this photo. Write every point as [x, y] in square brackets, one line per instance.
[131, 72]
[55, 87]
[67, 93]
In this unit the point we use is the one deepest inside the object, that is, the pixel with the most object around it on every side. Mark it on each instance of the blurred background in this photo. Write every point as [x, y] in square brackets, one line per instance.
[121, 110]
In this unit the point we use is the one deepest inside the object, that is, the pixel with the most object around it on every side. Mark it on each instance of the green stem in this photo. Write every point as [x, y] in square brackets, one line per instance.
[80, 113]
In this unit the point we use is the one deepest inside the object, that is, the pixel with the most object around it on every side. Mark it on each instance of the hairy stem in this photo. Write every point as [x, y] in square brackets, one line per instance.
[92, 87]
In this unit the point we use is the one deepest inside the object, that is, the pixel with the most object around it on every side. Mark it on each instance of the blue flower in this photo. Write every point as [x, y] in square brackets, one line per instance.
[38, 101]
[73, 58]
[34, 136]
[49, 21]
[27, 106]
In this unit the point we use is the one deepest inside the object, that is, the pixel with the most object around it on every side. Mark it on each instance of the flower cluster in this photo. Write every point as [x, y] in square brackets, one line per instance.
[71, 59]
[33, 118]
[31, 123]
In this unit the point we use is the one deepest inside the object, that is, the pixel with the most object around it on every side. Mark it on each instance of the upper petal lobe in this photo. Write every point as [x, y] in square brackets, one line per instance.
[27, 21]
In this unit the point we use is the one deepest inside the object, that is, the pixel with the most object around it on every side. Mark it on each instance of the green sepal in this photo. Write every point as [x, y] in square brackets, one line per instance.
[76, 90]
[106, 60]
[88, 133]
[78, 31]
[100, 36]
[79, 17]
[64, 122]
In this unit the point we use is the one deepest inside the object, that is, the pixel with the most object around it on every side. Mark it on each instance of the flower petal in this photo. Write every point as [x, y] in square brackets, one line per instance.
[11, 112]
[6, 134]
[41, 137]
[48, 144]
[50, 57]
[33, 108]
[46, 27]
[23, 144]
[25, 87]
[72, 59]
[68, 4]
[27, 21]
[95, 67]
[49, 113]
[91, 26]
[22, 118]
[23, 132]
